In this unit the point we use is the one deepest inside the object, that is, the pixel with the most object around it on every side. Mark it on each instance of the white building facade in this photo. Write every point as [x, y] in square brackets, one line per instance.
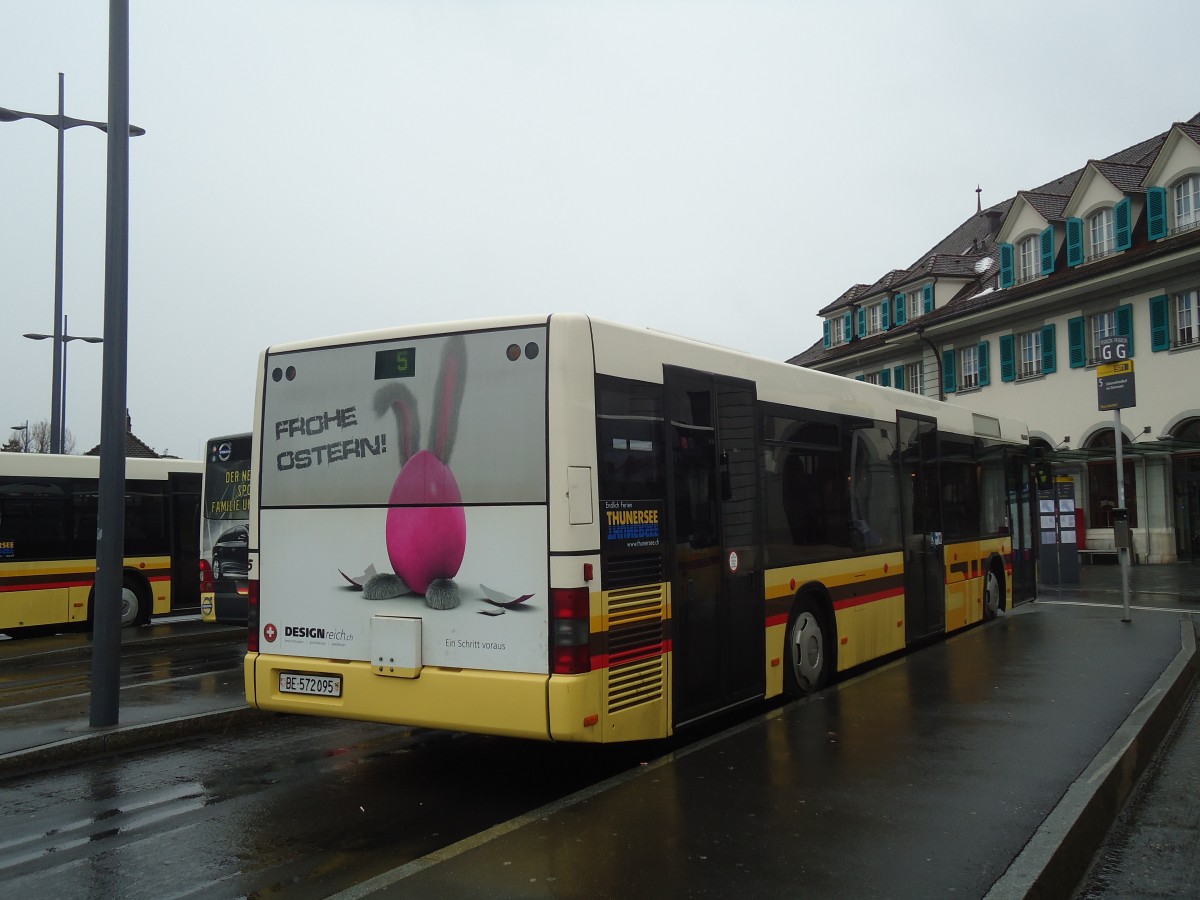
[1008, 313]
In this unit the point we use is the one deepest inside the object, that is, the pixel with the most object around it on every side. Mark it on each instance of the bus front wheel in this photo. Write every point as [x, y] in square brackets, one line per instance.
[809, 662]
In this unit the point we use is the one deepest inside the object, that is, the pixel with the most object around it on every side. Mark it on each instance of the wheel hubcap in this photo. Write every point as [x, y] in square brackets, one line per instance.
[129, 606]
[807, 657]
[993, 594]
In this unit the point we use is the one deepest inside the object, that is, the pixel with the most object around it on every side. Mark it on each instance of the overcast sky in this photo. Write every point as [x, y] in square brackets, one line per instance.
[719, 169]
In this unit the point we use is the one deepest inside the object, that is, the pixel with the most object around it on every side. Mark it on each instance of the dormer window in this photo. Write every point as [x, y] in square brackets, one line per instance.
[918, 302]
[837, 330]
[1187, 203]
[1100, 230]
[1029, 259]
[1107, 230]
[874, 317]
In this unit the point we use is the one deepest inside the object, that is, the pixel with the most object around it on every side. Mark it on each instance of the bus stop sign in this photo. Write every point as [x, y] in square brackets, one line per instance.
[1114, 384]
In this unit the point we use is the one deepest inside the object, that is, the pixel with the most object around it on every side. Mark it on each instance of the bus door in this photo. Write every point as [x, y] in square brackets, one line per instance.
[924, 573]
[716, 569]
[184, 505]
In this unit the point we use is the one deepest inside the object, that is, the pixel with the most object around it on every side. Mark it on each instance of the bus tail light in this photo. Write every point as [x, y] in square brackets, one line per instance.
[207, 585]
[571, 637]
[252, 616]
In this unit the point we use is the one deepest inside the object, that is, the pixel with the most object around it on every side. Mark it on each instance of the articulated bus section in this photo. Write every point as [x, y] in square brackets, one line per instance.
[564, 529]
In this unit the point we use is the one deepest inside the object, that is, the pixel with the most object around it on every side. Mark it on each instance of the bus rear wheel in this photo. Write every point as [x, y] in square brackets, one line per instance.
[993, 595]
[131, 606]
[806, 649]
[135, 610]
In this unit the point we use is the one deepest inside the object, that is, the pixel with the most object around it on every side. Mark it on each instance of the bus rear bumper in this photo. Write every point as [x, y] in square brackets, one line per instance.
[511, 704]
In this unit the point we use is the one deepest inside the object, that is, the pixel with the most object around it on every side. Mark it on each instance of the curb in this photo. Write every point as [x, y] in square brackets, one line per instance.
[120, 739]
[1058, 855]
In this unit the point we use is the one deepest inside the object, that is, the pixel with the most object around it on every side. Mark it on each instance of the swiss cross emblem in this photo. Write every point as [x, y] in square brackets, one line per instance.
[270, 633]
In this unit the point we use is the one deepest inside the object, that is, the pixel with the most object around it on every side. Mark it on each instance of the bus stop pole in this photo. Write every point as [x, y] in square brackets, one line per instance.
[110, 527]
[1121, 531]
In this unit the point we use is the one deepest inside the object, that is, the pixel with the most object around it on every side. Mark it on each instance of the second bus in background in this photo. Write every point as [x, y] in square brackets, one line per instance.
[223, 533]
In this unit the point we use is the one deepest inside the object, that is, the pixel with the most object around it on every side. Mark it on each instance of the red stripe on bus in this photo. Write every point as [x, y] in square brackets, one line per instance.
[31, 585]
[850, 602]
[608, 661]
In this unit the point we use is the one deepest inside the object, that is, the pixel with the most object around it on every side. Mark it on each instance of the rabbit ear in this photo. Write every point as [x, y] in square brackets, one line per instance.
[448, 397]
[401, 402]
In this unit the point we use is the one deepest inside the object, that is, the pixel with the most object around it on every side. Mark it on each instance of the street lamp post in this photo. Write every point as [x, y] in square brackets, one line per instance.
[24, 428]
[59, 439]
[60, 122]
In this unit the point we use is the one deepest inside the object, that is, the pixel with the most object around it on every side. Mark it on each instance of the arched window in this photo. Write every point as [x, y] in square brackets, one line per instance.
[1102, 238]
[1029, 256]
[1186, 193]
[1188, 431]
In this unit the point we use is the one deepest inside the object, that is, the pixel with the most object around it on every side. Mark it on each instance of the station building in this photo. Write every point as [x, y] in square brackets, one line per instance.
[1008, 314]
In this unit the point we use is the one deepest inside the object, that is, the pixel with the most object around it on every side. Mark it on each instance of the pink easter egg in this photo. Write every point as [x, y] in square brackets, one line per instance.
[425, 542]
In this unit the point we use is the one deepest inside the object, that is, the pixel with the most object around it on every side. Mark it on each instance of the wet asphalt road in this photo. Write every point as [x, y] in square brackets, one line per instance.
[288, 807]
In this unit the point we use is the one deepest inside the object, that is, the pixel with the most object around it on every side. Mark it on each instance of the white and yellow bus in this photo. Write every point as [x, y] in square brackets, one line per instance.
[48, 518]
[562, 528]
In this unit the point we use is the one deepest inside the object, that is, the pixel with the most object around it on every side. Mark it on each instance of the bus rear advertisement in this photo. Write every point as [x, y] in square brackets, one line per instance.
[563, 528]
[223, 529]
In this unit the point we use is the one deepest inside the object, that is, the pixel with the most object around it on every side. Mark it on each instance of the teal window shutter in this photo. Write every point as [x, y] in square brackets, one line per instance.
[1160, 323]
[1124, 319]
[1007, 278]
[927, 298]
[847, 327]
[885, 320]
[985, 367]
[1008, 360]
[898, 377]
[1074, 242]
[828, 338]
[949, 376]
[1049, 360]
[862, 321]
[1075, 342]
[1047, 248]
[900, 310]
[860, 377]
[1122, 227]
[1156, 213]
[885, 377]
